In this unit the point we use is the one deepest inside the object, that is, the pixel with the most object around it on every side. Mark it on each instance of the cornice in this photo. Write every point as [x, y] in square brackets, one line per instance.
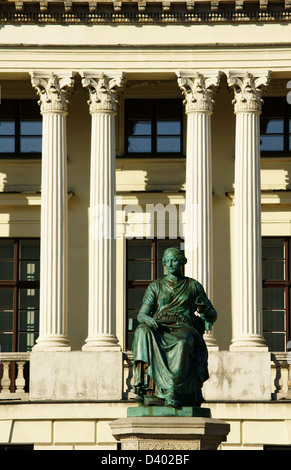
[143, 12]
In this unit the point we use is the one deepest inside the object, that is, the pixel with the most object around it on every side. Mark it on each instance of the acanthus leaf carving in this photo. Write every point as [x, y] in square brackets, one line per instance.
[248, 90]
[53, 91]
[103, 91]
[198, 90]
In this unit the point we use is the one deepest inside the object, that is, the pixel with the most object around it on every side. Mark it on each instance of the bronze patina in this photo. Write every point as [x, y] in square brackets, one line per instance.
[170, 354]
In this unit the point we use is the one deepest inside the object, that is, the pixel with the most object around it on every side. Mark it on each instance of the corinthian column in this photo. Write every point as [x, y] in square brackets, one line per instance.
[247, 303]
[103, 102]
[53, 91]
[198, 90]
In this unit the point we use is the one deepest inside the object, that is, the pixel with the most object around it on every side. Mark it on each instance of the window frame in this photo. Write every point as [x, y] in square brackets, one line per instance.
[17, 154]
[282, 283]
[154, 153]
[286, 133]
[17, 284]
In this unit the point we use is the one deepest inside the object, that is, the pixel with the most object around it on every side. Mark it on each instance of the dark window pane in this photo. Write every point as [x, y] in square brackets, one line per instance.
[140, 127]
[273, 106]
[273, 298]
[29, 320]
[272, 143]
[6, 270]
[139, 249]
[168, 127]
[29, 249]
[139, 270]
[29, 109]
[7, 109]
[167, 109]
[29, 298]
[139, 109]
[26, 341]
[31, 128]
[6, 320]
[6, 299]
[6, 249]
[168, 144]
[29, 270]
[7, 145]
[139, 145]
[7, 127]
[274, 320]
[134, 298]
[273, 269]
[273, 248]
[6, 339]
[30, 145]
[272, 126]
[275, 341]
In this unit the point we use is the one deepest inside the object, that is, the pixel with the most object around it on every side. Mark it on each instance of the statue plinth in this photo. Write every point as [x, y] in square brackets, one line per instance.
[152, 433]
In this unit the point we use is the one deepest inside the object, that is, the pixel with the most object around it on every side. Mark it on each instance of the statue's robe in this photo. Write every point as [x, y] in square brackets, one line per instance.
[174, 356]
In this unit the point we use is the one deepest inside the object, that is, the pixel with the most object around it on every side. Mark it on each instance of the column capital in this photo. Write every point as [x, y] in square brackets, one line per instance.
[53, 90]
[248, 89]
[198, 89]
[103, 90]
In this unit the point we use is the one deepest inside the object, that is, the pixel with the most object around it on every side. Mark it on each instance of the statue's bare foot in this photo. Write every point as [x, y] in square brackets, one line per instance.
[171, 400]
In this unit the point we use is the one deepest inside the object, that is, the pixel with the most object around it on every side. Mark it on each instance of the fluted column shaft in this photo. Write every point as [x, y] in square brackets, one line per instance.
[53, 92]
[199, 90]
[247, 304]
[198, 235]
[101, 317]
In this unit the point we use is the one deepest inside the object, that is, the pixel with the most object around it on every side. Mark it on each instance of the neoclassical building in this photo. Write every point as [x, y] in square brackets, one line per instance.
[127, 127]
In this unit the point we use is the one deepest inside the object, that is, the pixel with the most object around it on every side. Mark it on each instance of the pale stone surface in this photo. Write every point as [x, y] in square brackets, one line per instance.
[76, 375]
[74, 431]
[5, 430]
[169, 433]
[244, 376]
[31, 432]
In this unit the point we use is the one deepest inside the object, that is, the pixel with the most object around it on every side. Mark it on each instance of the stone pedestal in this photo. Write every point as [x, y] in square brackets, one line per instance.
[169, 433]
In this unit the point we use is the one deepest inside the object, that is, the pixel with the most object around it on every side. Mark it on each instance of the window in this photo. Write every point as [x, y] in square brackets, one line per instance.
[275, 127]
[153, 127]
[144, 265]
[19, 294]
[276, 292]
[20, 128]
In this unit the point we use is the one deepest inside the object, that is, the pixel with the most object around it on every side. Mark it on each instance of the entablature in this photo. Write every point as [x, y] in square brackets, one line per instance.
[144, 11]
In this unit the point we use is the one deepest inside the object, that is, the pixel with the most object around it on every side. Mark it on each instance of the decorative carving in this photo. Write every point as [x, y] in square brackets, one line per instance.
[136, 442]
[53, 91]
[103, 91]
[248, 90]
[198, 90]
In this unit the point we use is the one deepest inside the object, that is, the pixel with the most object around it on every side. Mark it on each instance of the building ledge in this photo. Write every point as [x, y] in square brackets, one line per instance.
[143, 11]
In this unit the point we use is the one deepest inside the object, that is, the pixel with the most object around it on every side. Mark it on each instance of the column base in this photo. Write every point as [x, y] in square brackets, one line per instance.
[249, 343]
[169, 433]
[101, 343]
[52, 343]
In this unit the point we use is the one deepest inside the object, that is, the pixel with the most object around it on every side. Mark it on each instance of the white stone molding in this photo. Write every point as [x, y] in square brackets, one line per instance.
[247, 299]
[199, 90]
[53, 91]
[103, 100]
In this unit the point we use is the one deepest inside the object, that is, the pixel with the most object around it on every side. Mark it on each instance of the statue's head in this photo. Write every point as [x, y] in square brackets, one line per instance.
[174, 252]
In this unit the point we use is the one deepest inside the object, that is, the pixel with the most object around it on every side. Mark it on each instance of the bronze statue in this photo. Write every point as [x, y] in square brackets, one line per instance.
[170, 354]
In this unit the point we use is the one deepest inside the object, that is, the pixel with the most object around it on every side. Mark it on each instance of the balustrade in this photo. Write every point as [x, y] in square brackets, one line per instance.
[13, 379]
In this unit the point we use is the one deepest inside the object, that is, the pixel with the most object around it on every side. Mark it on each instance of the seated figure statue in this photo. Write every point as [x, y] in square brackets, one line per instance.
[170, 354]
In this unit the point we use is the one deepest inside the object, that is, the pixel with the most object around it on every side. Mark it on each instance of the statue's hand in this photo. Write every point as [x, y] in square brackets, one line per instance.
[151, 322]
